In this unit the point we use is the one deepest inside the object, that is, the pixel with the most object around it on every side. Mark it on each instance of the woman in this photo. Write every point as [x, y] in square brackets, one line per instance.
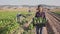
[38, 20]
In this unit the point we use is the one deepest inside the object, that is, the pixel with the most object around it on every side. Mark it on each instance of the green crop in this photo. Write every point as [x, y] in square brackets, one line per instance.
[8, 22]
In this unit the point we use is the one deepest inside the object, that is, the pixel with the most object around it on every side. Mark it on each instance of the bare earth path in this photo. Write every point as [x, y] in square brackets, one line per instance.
[54, 23]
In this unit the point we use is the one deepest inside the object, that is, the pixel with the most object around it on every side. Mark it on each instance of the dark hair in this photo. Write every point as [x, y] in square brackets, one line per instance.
[39, 6]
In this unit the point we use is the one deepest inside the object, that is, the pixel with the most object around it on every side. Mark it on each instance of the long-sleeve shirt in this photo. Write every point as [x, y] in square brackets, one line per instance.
[38, 14]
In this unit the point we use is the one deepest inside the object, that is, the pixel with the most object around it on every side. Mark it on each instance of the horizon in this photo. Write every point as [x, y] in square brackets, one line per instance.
[30, 2]
[29, 5]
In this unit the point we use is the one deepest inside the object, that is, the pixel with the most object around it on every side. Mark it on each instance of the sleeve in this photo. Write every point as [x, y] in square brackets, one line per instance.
[45, 17]
[43, 14]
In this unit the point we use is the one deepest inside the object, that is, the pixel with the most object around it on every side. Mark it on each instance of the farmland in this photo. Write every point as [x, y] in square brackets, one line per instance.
[57, 12]
[10, 25]
[8, 21]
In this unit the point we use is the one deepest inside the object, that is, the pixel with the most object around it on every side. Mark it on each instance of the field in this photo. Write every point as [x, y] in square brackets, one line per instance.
[9, 24]
[57, 12]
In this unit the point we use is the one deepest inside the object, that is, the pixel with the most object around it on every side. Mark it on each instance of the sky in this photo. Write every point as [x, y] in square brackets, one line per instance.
[30, 2]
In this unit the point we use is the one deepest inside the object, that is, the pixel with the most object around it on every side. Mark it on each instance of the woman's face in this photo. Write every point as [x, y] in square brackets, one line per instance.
[41, 9]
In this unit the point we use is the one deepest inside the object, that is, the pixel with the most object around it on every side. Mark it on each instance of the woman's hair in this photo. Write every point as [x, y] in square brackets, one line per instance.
[39, 7]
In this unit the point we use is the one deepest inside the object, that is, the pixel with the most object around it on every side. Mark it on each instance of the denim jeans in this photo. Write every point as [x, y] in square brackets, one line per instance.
[39, 30]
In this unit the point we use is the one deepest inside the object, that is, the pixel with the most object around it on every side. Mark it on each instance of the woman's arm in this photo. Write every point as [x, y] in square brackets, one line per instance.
[43, 15]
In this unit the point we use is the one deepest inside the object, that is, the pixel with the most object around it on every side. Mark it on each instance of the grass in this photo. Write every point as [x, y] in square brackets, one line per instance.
[57, 12]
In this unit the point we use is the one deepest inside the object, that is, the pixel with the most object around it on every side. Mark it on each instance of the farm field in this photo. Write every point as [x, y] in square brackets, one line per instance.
[9, 24]
[57, 12]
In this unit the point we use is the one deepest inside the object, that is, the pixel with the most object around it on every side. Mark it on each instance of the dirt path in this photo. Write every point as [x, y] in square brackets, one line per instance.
[34, 30]
[53, 23]
[27, 24]
[44, 30]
